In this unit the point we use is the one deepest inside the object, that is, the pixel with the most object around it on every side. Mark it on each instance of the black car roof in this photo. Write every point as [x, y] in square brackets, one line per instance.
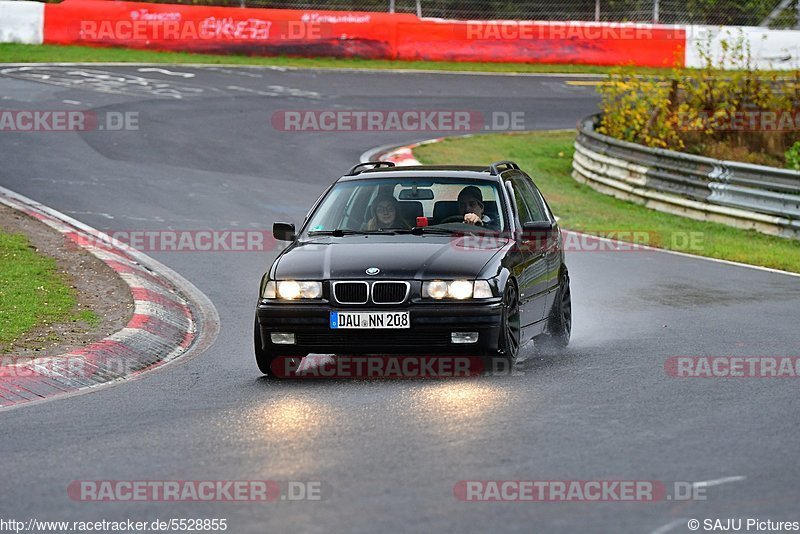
[472, 172]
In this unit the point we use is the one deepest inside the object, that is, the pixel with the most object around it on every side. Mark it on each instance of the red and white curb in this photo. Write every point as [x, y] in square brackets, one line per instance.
[402, 156]
[399, 155]
[171, 318]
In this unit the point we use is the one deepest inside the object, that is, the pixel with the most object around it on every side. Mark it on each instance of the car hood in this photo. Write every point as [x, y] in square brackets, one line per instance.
[397, 257]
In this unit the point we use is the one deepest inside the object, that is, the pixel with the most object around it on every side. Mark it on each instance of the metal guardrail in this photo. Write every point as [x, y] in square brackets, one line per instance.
[762, 198]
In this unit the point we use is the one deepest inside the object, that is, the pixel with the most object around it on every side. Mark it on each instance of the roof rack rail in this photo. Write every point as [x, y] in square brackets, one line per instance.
[361, 167]
[495, 168]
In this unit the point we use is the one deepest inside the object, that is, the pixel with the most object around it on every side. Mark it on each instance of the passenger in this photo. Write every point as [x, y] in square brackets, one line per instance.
[385, 212]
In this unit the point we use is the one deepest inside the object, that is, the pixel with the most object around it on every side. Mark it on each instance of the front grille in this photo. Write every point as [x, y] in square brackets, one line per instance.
[389, 292]
[350, 292]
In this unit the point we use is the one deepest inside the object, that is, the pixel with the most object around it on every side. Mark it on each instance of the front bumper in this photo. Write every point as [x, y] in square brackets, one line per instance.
[430, 333]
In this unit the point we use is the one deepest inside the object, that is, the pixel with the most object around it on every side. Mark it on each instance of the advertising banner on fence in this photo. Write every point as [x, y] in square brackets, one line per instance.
[222, 29]
[357, 34]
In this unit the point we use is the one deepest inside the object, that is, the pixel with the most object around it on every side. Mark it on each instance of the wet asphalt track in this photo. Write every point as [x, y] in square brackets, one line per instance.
[389, 453]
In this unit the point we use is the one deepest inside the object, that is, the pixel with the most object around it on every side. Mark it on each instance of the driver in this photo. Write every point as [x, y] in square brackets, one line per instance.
[470, 206]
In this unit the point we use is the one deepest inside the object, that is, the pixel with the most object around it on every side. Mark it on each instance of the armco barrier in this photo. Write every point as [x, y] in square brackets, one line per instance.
[757, 197]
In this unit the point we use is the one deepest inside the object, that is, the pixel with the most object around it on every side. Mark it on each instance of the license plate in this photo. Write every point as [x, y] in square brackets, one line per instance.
[369, 320]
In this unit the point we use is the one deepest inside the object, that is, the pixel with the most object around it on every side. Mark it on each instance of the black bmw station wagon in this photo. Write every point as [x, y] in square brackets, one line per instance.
[418, 260]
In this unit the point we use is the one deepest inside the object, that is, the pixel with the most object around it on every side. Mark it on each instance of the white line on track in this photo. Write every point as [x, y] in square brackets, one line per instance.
[717, 481]
[167, 72]
[701, 484]
[669, 526]
[687, 255]
[98, 213]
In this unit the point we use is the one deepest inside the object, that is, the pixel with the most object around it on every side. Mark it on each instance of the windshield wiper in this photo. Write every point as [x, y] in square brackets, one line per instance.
[434, 230]
[341, 232]
[419, 230]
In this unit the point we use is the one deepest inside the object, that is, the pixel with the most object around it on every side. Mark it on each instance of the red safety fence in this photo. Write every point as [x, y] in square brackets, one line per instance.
[541, 42]
[306, 33]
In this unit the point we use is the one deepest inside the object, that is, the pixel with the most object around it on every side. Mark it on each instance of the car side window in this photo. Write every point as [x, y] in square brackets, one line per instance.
[526, 190]
[522, 207]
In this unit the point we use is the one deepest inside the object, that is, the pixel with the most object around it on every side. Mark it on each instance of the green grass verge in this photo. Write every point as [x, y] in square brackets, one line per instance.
[547, 157]
[19, 53]
[32, 291]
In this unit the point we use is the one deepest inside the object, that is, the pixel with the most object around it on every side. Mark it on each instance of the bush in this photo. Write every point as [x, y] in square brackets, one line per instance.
[793, 157]
[738, 114]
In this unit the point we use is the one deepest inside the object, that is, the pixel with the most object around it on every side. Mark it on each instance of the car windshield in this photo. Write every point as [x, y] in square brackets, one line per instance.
[403, 205]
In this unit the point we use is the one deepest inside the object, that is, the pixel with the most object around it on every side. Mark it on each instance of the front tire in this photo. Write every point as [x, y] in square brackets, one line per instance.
[559, 324]
[509, 339]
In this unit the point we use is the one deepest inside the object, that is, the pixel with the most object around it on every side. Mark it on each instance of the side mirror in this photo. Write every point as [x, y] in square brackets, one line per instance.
[282, 231]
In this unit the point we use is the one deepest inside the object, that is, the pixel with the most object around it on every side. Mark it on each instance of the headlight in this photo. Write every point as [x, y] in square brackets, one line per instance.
[270, 291]
[434, 290]
[292, 290]
[482, 290]
[460, 289]
[457, 289]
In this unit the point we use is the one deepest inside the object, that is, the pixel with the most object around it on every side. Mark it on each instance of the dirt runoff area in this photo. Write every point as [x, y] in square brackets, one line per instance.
[98, 288]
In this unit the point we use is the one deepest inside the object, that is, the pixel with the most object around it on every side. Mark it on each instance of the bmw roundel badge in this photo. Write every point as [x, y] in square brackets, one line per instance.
[372, 271]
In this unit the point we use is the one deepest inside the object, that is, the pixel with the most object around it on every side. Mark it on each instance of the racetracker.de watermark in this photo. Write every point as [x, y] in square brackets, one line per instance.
[733, 366]
[739, 121]
[511, 30]
[577, 491]
[20, 367]
[396, 120]
[146, 27]
[61, 120]
[597, 241]
[198, 490]
[231, 240]
[379, 367]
